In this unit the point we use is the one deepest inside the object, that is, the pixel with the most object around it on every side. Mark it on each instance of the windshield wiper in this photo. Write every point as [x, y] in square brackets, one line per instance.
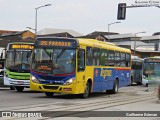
[61, 53]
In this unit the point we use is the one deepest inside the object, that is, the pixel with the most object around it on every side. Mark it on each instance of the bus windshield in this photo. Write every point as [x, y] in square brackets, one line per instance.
[137, 65]
[54, 61]
[151, 68]
[18, 61]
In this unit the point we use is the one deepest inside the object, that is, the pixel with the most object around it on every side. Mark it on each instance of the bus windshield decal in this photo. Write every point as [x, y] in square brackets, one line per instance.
[43, 67]
[18, 46]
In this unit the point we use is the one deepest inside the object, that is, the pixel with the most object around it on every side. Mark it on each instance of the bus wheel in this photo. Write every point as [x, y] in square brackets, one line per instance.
[12, 88]
[139, 83]
[115, 87]
[49, 94]
[19, 88]
[86, 91]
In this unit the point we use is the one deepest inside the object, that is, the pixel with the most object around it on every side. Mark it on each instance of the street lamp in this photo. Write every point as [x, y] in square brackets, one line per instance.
[30, 28]
[109, 26]
[135, 41]
[36, 17]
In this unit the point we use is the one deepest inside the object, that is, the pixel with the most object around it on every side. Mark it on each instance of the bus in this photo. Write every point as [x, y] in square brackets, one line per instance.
[17, 65]
[136, 70]
[1, 71]
[78, 66]
[151, 70]
[2, 61]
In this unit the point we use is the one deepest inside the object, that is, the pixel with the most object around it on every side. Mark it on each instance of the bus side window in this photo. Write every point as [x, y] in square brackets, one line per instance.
[81, 60]
[123, 60]
[89, 56]
[128, 59]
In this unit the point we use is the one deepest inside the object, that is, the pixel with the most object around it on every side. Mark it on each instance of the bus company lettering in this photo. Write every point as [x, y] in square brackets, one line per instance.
[55, 43]
[105, 73]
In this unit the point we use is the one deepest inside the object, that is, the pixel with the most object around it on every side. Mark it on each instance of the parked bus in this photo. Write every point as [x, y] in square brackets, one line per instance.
[17, 65]
[1, 71]
[2, 60]
[78, 66]
[136, 70]
[151, 70]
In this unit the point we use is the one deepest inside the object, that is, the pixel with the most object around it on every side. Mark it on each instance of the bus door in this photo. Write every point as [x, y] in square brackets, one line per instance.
[80, 71]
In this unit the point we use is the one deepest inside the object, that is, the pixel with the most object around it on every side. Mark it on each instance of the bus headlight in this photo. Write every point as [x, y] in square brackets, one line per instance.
[5, 73]
[144, 77]
[34, 79]
[69, 81]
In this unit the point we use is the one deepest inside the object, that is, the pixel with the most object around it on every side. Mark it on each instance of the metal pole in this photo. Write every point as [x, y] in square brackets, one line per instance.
[109, 28]
[108, 33]
[36, 17]
[135, 41]
[134, 45]
[36, 24]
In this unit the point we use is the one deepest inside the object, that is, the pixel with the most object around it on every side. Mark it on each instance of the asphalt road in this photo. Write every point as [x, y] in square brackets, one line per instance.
[130, 98]
[12, 98]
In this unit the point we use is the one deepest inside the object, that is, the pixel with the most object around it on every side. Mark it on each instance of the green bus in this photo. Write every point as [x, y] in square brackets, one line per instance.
[2, 60]
[17, 65]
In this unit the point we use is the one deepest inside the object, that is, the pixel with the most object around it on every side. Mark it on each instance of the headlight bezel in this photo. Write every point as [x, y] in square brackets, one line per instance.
[5, 74]
[70, 81]
[34, 79]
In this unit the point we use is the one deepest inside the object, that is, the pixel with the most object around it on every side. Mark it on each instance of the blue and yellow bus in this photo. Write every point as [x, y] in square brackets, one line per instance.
[78, 66]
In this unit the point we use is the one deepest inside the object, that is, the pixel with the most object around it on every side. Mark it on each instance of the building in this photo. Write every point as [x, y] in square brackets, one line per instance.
[16, 36]
[99, 35]
[136, 44]
[58, 33]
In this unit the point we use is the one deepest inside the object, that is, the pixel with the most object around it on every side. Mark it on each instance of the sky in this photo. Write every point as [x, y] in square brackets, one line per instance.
[83, 16]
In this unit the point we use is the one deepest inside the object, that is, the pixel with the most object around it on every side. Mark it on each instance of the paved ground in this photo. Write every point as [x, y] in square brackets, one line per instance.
[131, 98]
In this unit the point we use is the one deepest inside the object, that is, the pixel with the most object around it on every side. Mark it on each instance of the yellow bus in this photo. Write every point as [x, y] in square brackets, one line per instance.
[78, 66]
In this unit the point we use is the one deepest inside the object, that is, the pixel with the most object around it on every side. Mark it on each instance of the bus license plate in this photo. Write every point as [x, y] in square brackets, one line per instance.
[20, 82]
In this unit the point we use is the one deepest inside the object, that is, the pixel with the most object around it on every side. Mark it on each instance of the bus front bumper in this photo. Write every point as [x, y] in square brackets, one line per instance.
[14, 82]
[69, 89]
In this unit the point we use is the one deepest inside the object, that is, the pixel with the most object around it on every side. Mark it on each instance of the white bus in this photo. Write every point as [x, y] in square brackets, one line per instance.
[151, 70]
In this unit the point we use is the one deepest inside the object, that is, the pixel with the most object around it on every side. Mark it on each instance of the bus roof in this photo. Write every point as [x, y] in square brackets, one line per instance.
[21, 43]
[101, 44]
[136, 58]
[155, 57]
[91, 43]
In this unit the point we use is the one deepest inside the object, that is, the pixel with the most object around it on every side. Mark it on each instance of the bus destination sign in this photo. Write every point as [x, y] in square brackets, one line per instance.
[22, 46]
[153, 60]
[55, 43]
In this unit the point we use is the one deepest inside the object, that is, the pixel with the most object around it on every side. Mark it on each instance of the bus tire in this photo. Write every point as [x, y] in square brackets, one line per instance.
[86, 91]
[12, 88]
[139, 83]
[49, 94]
[19, 88]
[115, 87]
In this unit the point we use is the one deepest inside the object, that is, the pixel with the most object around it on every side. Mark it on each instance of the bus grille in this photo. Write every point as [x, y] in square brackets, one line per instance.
[51, 87]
